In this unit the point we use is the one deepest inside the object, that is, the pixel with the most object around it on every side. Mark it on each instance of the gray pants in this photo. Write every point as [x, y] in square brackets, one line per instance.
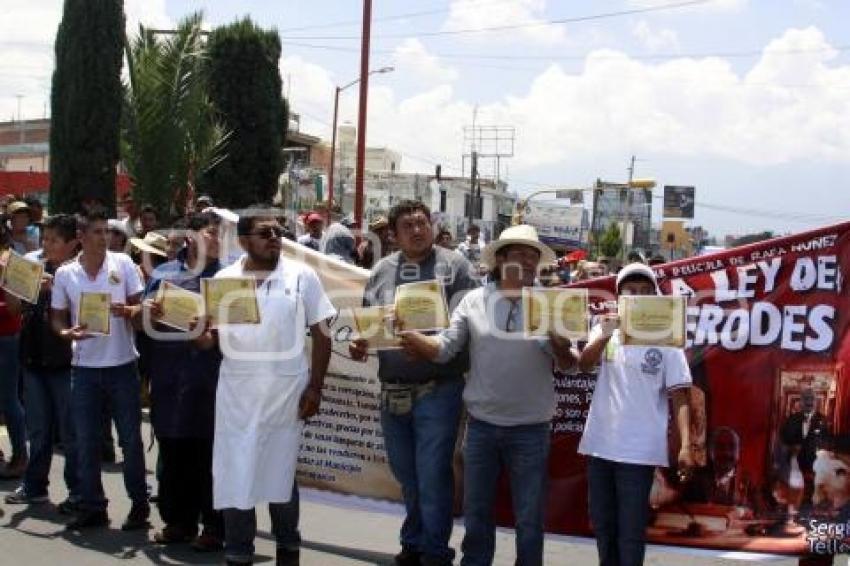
[240, 528]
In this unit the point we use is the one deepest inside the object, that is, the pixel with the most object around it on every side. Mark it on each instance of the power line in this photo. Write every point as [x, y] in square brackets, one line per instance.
[394, 17]
[506, 27]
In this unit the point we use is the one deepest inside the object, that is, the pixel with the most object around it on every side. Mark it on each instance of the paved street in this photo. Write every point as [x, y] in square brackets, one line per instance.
[334, 536]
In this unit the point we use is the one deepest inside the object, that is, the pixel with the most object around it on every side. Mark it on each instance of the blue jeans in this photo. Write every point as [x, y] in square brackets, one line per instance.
[10, 400]
[420, 447]
[90, 389]
[240, 528]
[619, 509]
[47, 395]
[524, 452]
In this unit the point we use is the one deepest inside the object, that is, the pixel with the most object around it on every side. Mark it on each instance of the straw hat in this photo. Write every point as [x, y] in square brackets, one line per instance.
[153, 243]
[17, 206]
[522, 234]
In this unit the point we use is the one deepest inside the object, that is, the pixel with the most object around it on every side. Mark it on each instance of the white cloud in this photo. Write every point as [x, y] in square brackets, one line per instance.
[655, 40]
[411, 57]
[790, 106]
[475, 14]
[27, 32]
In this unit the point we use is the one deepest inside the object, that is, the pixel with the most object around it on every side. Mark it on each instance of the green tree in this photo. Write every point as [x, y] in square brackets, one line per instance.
[86, 104]
[170, 135]
[611, 243]
[245, 86]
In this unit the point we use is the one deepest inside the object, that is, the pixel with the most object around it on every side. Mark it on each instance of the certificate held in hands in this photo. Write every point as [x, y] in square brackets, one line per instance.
[562, 311]
[22, 277]
[421, 306]
[652, 320]
[93, 312]
[231, 300]
[179, 306]
[373, 324]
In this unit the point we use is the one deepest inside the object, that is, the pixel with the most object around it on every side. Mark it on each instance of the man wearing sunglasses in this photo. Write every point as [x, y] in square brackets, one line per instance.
[266, 389]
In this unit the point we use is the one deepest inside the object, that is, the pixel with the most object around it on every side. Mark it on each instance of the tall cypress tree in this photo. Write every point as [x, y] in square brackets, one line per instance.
[86, 104]
[245, 87]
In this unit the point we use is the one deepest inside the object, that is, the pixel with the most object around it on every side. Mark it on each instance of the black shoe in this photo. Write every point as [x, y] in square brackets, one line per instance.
[408, 557]
[68, 507]
[107, 456]
[287, 557]
[88, 520]
[137, 518]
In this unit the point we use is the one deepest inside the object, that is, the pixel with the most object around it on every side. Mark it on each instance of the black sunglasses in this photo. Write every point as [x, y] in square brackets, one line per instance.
[268, 233]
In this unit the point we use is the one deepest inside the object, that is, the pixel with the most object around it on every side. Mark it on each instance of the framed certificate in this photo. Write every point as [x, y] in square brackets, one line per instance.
[421, 306]
[563, 311]
[652, 320]
[373, 324]
[22, 277]
[231, 300]
[179, 306]
[93, 312]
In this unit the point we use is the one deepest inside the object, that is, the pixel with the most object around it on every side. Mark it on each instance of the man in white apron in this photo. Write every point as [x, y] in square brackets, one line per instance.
[266, 390]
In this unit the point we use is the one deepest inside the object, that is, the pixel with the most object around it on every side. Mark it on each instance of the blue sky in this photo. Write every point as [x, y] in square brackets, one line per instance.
[745, 99]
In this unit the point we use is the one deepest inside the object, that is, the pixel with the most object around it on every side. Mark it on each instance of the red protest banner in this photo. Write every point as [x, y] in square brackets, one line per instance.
[768, 343]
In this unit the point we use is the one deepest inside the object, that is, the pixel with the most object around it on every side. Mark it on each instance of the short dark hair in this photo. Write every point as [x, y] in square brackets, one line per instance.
[247, 216]
[406, 207]
[148, 208]
[473, 228]
[65, 226]
[95, 213]
[444, 232]
[33, 202]
[201, 220]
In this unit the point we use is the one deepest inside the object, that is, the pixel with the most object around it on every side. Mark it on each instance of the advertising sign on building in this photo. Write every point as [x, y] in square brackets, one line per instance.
[557, 225]
[678, 201]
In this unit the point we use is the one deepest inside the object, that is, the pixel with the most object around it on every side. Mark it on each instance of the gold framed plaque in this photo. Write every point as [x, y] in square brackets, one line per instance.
[231, 300]
[179, 306]
[421, 306]
[375, 325]
[563, 311]
[648, 320]
[22, 277]
[93, 312]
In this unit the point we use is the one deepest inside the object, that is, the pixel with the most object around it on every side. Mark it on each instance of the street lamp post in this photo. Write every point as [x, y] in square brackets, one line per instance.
[339, 89]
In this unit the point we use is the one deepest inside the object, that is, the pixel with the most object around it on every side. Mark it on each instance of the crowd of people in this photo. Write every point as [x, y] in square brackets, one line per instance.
[209, 402]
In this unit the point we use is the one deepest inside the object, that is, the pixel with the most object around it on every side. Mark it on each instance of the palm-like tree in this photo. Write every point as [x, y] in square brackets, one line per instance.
[170, 134]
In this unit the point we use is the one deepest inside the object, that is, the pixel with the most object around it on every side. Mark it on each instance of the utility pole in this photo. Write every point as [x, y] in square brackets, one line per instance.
[20, 119]
[361, 118]
[628, 215]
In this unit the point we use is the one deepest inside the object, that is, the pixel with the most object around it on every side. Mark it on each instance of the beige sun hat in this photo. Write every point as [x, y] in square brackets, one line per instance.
[522, 234]
[152, 243]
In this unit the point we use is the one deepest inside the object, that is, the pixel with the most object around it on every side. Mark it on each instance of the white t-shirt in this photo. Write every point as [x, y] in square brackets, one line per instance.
[290, 299]
[119, 276]
[629, 411]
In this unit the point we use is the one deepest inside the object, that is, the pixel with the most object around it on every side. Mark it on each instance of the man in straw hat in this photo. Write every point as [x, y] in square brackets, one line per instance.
[509, 395]
[153, 249]
[420, 426]
[625, 437]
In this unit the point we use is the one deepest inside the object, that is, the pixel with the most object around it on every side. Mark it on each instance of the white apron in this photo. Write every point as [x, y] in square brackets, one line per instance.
[257, 429]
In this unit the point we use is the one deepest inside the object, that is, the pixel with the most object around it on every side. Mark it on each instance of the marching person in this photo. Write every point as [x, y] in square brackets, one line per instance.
[625, 437]
[313, 237]
[420, 438]
[103, 370]
[266, 390]
[509, 395]
[183, 382]
[46, 360]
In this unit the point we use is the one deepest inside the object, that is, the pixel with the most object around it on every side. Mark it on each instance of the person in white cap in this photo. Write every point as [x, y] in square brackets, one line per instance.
[625, 436]
[509, 395]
